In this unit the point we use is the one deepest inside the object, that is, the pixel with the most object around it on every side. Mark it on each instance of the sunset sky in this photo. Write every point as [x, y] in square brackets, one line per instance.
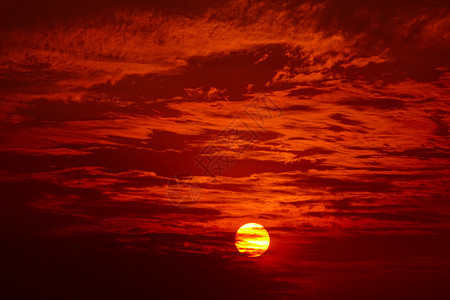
[137, 137]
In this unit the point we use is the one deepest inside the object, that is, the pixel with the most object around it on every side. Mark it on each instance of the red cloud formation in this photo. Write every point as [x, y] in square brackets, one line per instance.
[326, 122]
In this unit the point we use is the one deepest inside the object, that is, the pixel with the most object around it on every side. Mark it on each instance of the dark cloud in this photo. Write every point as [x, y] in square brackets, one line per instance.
[246, 167]
[313, 151]
[27, 13]
[336, 128]
[300, 107]
[20, 218]
[232, 72]
[405, 216]
[344, 120]
[118, 159]
[337, 185]
[138, 209]
[306, 92]
[424, 153]
[125, 272]
[441, 124]
[30, 77]
[92, 108]
[241, 188]
[381, 104]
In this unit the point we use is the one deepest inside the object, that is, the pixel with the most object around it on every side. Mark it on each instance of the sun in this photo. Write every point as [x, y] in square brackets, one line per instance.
[252, 239]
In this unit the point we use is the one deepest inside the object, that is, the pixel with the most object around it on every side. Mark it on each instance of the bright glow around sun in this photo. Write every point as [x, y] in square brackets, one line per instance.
[252, 239]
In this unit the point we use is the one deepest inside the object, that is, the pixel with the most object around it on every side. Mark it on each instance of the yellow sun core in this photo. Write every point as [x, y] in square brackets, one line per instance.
[252, 239]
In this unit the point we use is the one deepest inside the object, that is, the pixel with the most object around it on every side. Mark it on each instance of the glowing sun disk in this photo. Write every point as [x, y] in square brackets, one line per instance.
[252, 239]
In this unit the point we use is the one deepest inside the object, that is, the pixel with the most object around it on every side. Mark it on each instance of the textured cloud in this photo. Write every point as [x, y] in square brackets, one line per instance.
[327, 122]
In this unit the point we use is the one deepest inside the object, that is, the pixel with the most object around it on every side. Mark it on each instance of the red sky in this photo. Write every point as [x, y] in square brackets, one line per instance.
[332, 115]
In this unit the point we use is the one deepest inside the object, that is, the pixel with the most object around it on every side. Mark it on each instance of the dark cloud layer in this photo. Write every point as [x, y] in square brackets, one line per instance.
[326, 122]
